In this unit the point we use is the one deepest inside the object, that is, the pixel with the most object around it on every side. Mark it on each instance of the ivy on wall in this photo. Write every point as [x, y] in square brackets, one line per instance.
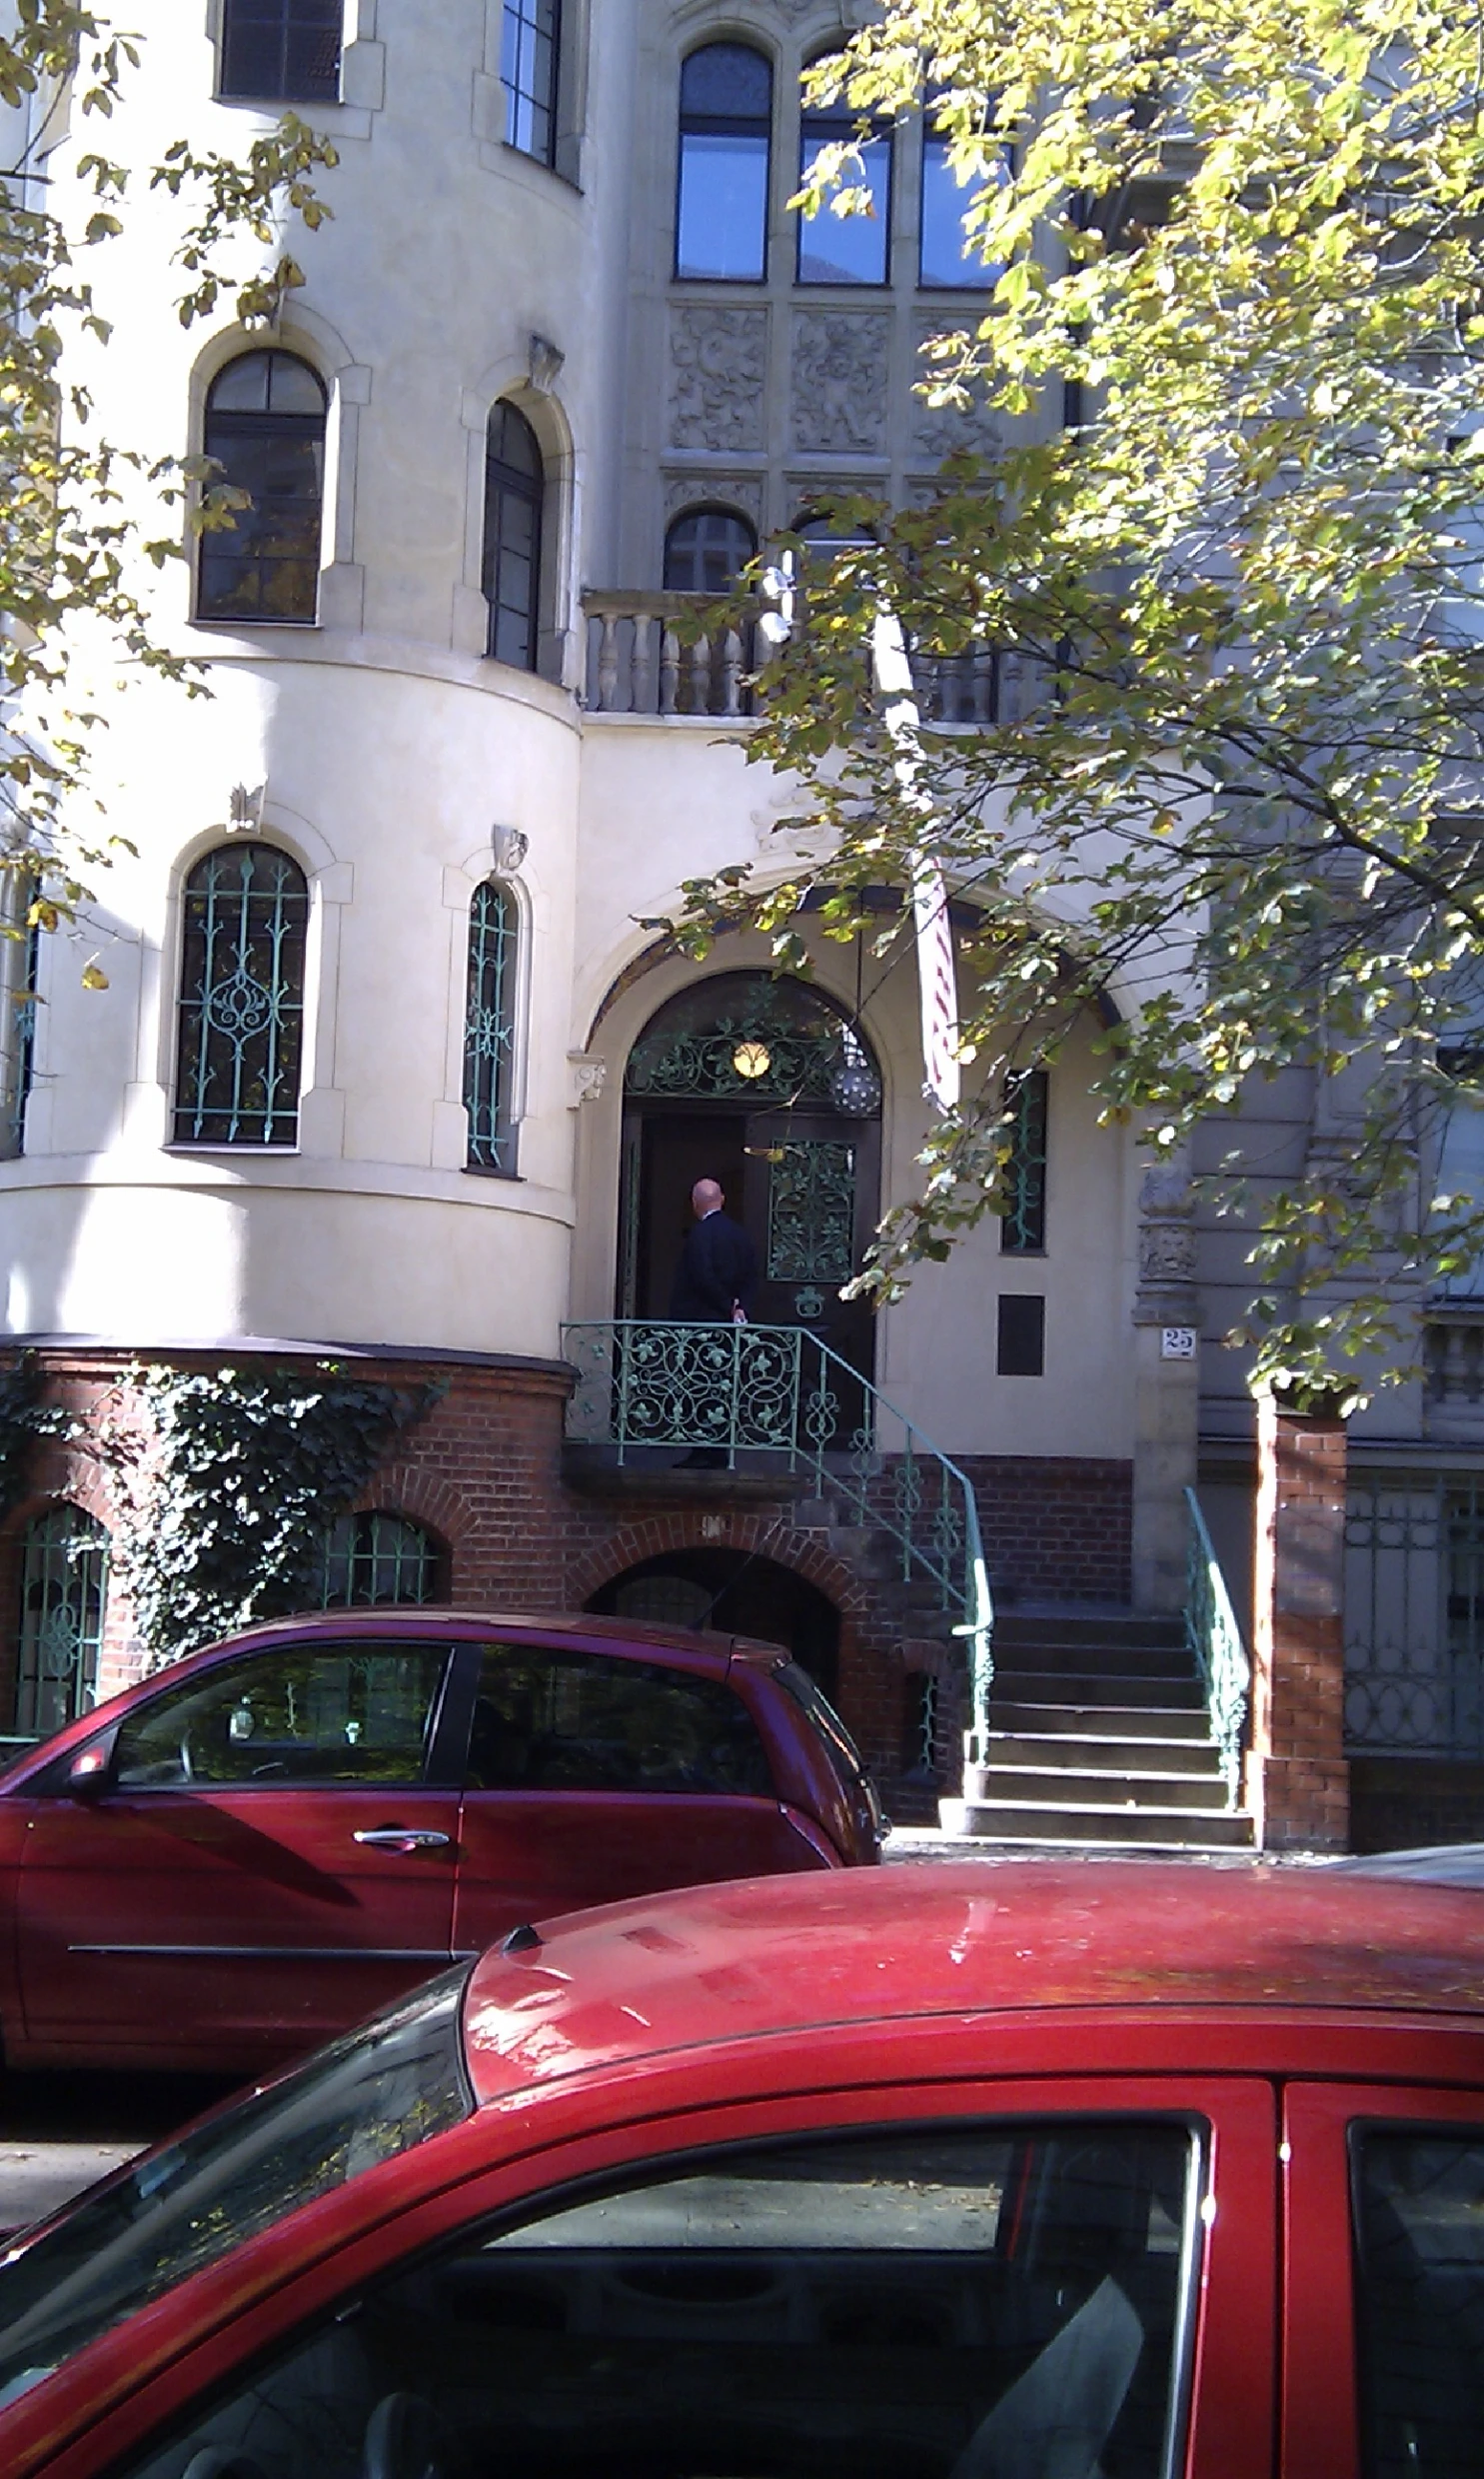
[23, 1418]
[227, 1484]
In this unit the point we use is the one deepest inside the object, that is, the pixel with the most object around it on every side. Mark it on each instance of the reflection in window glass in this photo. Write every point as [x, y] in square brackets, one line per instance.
[984, 2303]
[265, 430]
[554, 1720]
[845, 249]
[527, 67]
[725, 126]
[947, 257]
[384, 2087]
[705, 551]
[1419, 2210]
[355, 1714]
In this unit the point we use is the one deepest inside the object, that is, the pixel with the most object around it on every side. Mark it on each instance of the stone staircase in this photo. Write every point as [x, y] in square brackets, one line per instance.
[1098, 1739]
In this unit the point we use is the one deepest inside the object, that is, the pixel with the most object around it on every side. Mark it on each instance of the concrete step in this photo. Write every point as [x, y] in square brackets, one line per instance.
[1041, 1824]
[1070, 1785]
[1094, 1657]
[1083, 1689]
[1102, 1751]
[1165, 1722]
[1074, 1623]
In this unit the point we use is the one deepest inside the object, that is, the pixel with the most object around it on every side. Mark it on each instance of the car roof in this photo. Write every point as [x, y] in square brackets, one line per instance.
[428, 1617]
[725, 1962]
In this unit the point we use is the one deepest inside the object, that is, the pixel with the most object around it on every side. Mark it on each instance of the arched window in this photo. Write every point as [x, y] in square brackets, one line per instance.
[490, 1028]
[515, 486]
[265, 429]
[705, 551]
[377, 1561]
[530, 37]
[246, 911]
[282, 51]
[64, 1583]
[845, 249]
[726, 135]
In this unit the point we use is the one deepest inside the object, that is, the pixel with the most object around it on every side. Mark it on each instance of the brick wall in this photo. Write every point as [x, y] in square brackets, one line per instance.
[1056, 1528]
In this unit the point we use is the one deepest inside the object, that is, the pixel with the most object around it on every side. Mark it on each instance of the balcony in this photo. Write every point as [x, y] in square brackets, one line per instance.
[650, 654]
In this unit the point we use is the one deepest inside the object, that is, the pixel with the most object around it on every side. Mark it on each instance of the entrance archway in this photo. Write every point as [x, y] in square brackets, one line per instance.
[768, 1087]
[730, 1592]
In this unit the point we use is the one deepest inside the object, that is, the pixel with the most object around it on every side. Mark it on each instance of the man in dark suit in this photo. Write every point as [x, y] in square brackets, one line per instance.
[717, 1278]
[715, 1281]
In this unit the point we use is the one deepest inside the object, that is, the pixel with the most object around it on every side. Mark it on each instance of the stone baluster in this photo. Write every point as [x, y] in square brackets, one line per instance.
[608, 662]
[732, 663]
[700, 676]
[643, 688]
[670, 668]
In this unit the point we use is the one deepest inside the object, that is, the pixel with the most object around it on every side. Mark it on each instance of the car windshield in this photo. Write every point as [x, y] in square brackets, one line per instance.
[849, 1760]
[385, 2087]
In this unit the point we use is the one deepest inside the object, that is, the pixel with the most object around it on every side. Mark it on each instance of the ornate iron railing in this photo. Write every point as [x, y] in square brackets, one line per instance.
[774, 1398]
[1216, 1642]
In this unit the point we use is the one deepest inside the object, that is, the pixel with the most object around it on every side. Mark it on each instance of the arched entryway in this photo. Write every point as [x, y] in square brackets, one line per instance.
[731, 1593]
[768, 1087]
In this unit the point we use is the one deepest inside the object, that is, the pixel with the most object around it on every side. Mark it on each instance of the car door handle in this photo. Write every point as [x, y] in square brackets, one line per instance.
[401, 1838]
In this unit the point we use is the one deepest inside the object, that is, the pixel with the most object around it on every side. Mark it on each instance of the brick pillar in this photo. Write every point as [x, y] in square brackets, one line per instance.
[1298, 1782]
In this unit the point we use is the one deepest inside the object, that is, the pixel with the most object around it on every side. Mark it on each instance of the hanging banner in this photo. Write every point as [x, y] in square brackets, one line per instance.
[938, 983]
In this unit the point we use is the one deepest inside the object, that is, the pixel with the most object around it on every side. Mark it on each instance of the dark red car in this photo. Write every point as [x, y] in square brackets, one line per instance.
[932, 2172]
[256, 1847]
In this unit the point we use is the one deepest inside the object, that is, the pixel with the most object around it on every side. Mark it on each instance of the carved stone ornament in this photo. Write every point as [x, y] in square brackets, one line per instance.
[946, 430]
[510, 847]
[839, 381]
[1166, 1253]
[1165, 1190]
[589, 1076]
[245, 808]
[545, 364]
[719, 365]
[744, 491]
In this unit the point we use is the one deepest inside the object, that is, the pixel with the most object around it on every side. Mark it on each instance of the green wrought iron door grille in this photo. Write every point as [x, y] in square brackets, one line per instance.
[242, 999]
[489, 1030]
[64, 1586]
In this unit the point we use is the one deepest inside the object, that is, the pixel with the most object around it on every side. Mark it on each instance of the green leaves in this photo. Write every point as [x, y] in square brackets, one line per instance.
[1231, 557]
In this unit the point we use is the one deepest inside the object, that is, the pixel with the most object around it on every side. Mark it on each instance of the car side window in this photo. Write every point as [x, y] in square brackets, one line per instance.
[977, 2304]
[1419, 2217]
[552, 1720]
[349, 1712]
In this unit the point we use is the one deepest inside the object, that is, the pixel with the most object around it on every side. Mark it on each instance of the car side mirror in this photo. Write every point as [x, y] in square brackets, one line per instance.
[88, 1772]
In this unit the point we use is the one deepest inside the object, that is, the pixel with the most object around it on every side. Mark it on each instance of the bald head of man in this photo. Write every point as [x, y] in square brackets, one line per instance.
[707, 1198]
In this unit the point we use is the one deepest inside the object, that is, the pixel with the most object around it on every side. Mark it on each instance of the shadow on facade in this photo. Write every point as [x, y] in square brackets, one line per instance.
[729, 1592]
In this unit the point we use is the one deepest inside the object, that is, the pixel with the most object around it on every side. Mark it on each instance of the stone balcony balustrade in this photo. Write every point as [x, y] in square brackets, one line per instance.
[1453, 1361]
[645, 655]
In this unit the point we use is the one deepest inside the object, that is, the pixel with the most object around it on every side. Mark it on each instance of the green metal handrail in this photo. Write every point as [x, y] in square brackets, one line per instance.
[779, 1393]
[1216, 1642]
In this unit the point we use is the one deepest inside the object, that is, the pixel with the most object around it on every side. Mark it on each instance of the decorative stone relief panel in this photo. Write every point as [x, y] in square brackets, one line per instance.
[717, 371]
[943, 430]
[841, 360]
[731, 490]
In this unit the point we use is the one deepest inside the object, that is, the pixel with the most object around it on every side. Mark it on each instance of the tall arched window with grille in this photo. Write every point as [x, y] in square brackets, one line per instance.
[490, 1028]
[241, 1029]
[265, 431]
[514, 489]
[64, 1584]
[378, 1561]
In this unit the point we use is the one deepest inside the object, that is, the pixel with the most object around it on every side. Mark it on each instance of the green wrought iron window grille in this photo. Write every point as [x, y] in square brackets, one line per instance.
[746, 1036]
[242, 999]
[489, 1029]
[377, 1561]
[20, 960]
[1022, 1231]
[64, 1586]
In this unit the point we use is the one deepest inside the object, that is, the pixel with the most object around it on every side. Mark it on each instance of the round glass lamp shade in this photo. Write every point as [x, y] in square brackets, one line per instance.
[751, 1059]
[855, 1090]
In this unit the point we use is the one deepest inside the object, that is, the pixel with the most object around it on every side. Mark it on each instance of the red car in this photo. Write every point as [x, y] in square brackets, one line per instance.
[1039, 2172]
[258, 1846]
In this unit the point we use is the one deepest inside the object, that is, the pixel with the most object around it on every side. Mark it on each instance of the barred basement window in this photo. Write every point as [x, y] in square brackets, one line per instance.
[280, 51]
[490, 1028]
[64, 1583]
[241, 998]
[1022, 1231]
[528, 55]
[377, 1561]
